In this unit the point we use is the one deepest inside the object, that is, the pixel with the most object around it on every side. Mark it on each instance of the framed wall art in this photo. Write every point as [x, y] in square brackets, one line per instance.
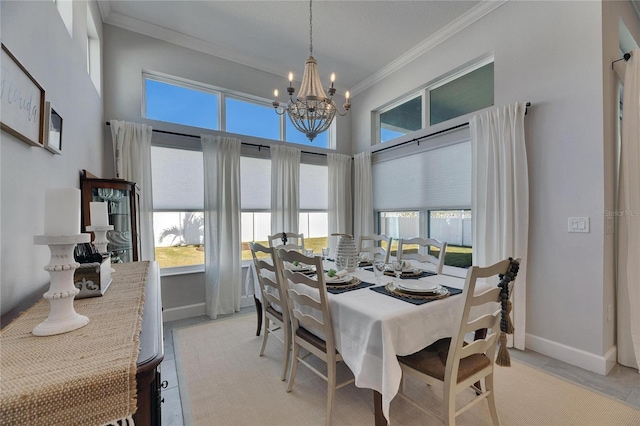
[52, 129]
[21, 100]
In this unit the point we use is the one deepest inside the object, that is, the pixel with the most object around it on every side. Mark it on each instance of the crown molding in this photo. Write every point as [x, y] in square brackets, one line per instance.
[636, 6]
[459, 24]
[180, 39]
[105, 9]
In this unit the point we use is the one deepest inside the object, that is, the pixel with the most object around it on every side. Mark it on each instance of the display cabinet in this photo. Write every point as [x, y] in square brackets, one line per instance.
[123, 201]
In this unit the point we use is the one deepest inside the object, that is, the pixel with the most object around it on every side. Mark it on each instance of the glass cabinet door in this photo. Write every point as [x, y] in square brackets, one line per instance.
[121, 198]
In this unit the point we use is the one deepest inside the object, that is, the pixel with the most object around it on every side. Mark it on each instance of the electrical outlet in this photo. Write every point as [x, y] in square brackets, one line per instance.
[578, 224]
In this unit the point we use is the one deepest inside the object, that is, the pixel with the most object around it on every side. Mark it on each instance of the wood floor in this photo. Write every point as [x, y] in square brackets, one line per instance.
[621, 383]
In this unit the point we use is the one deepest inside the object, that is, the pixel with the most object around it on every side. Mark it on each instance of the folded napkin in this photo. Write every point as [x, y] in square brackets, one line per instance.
[340, 274]
[301, 266]
[406, 264]
[365, 257]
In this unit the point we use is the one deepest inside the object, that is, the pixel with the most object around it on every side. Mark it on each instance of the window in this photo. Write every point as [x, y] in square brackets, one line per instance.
[401, 119]
[93, 50]
[463, 92]
[178, 219]
[195, 104]
[65, 9]
[180, 104]
[314, 206]
[427, 194]
[255, 193]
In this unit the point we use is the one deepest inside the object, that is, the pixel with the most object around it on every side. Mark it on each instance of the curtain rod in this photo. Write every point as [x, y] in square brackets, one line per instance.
[254, 145]
[418, 139]
[625, 58]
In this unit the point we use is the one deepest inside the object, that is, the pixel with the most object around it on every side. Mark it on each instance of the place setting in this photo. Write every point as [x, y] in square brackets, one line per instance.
[341, 281]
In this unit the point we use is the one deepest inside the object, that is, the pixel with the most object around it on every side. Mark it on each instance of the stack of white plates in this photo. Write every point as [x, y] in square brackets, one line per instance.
[420, 287]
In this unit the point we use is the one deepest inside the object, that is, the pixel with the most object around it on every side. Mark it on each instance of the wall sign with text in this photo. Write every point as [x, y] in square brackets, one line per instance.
[21, 101]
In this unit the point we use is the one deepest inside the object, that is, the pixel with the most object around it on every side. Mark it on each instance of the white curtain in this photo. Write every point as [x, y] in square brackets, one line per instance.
[363, 196]
[628, 268]
[500, 197]
[223, 274]
[285, 188]
[132, 157]
[340, 211]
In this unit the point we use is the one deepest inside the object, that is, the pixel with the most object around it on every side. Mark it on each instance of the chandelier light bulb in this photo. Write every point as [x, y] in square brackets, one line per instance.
[290, 78]
[275, 93]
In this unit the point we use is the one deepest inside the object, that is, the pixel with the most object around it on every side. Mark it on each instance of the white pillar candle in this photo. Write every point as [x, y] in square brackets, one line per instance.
[98, 211]
[62, 211]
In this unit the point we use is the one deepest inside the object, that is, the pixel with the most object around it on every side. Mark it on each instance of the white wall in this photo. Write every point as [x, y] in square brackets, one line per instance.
[35, 34]
[548, 53]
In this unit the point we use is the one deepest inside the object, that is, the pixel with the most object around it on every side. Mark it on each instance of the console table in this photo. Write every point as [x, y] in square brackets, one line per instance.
[49, 375]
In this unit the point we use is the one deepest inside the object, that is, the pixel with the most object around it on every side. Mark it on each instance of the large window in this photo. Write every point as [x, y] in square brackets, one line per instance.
[199, 105]
[178, 220]
[463, 92]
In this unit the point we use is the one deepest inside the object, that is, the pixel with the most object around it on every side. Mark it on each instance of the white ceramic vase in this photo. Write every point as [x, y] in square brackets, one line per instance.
[346, 253]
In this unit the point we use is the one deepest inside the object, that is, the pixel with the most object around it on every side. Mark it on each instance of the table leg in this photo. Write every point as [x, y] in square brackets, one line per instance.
[259, 313]
[379, 418]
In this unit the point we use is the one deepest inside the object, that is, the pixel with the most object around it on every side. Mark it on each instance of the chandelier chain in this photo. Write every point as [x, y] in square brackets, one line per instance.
[310, 29]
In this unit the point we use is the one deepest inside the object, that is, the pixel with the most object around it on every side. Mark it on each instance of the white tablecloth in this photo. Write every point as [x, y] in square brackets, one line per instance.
[371, 329]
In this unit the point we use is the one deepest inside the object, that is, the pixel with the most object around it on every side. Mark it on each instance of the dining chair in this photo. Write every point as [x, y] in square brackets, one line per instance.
[273, 300]
[379, 252]
[423, 255]
[287, 240]
[456, 364]
[308, 304]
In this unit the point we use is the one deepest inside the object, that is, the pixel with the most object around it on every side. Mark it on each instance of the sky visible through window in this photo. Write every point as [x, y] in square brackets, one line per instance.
[198, 108]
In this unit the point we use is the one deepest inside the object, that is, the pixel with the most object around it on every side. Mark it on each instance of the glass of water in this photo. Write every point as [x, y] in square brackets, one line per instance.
[325, 252]
[308, 252]
[378, 270]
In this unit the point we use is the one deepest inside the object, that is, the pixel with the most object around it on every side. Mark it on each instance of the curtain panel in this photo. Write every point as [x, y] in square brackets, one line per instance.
[500, 198]
[363, 195]
[132, 157]
[628, 220]
[340, 216]
[223, 273]
[285, 188]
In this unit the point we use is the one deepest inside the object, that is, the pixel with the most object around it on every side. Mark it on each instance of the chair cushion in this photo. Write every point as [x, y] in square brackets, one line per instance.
[432, 361]
[305, 334]
[274, 313]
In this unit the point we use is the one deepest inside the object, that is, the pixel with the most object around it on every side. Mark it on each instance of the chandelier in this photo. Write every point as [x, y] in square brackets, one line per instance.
[311, 112]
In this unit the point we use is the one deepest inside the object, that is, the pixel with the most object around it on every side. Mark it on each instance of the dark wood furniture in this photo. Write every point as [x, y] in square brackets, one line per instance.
[151, 351]
[123, 201]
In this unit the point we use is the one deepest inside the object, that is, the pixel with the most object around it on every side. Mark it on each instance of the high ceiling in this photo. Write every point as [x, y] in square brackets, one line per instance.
[358, 40]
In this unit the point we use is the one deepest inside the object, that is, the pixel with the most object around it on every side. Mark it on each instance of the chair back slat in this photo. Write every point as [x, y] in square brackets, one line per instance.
[303, 299]
[308, 322]
[492, 295]
[423, 254]
[479, 346]
[268, 276]
[379, 252]
[294, 241]
[488, 321]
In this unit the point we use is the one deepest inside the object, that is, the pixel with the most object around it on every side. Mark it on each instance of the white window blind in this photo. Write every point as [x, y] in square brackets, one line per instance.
[255, 183]
[178, 179]
[438, 178]
[314, 187]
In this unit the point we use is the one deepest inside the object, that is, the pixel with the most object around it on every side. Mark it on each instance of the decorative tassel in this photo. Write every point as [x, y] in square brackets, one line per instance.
[510, 328]
[503, 359]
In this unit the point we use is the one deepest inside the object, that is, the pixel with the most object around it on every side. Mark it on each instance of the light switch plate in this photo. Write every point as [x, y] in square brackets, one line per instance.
[578, 224]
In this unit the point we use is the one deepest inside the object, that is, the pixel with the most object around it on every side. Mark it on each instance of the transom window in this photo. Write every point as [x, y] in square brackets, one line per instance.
[466, 91]
[195, 104]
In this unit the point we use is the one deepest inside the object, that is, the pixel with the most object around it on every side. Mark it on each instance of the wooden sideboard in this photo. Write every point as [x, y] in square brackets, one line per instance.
[151, 352]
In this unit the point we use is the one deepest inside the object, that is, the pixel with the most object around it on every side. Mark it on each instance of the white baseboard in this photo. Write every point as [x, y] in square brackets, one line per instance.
[600, 364]
[188, 311]
[181, 312]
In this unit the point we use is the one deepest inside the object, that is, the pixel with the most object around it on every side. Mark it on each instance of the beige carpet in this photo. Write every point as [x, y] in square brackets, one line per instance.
[223, 381]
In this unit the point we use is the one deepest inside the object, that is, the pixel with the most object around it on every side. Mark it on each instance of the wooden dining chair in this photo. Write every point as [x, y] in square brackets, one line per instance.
[456, 364]
[310, 317]
[275, 314]
[287, 240]
[379, 252]
[423, 255]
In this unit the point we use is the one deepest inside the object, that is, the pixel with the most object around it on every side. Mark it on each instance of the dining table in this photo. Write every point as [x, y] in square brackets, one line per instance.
[373, 326]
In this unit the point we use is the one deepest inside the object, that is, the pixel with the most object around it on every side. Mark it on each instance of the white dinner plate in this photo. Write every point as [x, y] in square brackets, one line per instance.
[416, 286]
[299, 268]
[337, 280]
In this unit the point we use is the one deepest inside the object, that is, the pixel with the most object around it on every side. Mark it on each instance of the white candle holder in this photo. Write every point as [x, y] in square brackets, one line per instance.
[100, 236]
[62, 315]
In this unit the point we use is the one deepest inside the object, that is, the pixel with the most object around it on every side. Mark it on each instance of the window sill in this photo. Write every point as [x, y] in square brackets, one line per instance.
[193, 269]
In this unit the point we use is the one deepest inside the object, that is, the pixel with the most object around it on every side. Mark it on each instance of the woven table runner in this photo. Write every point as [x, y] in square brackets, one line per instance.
[83, 377]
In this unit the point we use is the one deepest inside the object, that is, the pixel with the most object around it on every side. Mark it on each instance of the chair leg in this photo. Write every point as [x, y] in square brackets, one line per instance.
[491, 399]
[287, 350]
[294, 365]
[331, 389]
[449, 409]
[266, 335]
